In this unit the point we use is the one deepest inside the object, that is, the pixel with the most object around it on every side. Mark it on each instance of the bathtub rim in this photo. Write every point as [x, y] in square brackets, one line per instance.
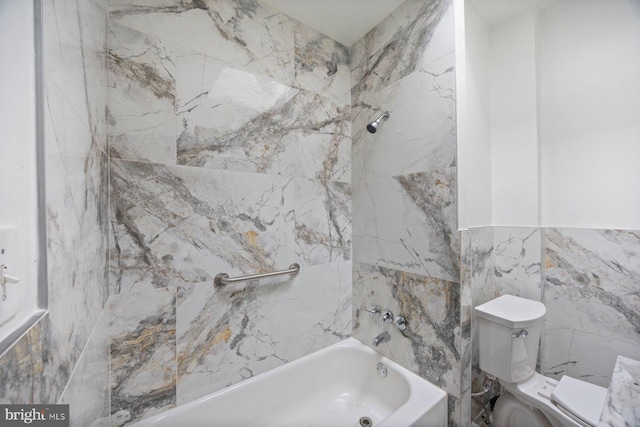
[424, 396]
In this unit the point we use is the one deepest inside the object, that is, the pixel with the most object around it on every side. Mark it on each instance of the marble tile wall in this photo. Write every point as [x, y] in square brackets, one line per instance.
[406, 245]
[587, 279]
[593, 302]
[429, 345]
[87, 392]
[230, 152]
[476, 282]
[40, 365]
[517, 253]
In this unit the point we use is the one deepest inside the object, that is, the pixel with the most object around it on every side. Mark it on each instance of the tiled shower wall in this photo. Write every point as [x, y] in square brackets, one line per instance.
[587, 279]
[406, 245]
[230, 131]
[64, 358]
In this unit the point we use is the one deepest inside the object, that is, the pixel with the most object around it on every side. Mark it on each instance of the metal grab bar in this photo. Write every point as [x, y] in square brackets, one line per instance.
[223, 278]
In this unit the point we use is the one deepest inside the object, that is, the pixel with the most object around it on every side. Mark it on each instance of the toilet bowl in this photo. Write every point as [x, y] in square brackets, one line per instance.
[509, 330]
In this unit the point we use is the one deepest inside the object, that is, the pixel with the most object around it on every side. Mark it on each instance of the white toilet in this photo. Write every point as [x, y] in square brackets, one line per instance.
[509, 333]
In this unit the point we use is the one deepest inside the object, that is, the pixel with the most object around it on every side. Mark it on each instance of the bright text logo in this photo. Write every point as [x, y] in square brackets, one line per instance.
[34, 415]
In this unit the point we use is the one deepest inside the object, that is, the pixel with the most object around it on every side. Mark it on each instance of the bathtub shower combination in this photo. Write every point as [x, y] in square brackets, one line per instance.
[345, 385]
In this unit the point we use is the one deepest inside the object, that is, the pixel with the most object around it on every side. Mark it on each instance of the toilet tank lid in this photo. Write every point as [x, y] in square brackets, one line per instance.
[512, 311]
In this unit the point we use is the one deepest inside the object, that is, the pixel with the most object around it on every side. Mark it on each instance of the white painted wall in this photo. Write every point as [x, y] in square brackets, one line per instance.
[474, 137]
[564, 98]
[514, 120]
[18, 187]
[590, 114]
[498, 130]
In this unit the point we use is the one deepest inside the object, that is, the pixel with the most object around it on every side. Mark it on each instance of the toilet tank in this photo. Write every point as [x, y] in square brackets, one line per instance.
[509, 333]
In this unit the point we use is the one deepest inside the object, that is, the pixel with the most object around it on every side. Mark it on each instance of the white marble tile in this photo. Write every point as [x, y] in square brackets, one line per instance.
[413, 36]
[322, 65]
[591, 281]
[142, 95]
[430, 346]
[232, 333]
[232, 118]
[555, 347]
[408, 223]
[595, 356]
[22, 375]
[518, 257]
[36, 369]
[583, 355]
[75, 56]
[477, 284]
[622, 407]
[179, 225]
[441, 37]
[223, 29]
[76, 193]
[143, 354]
[420, 132]
[87, 392]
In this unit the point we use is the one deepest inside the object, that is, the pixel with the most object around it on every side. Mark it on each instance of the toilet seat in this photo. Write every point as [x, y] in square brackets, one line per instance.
[538, 391]
[581, 401]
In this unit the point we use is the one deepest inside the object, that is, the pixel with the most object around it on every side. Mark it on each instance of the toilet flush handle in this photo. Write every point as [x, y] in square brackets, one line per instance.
[521, 334]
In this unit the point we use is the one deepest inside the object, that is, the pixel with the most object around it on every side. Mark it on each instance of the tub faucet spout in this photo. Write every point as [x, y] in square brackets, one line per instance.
[383, 337]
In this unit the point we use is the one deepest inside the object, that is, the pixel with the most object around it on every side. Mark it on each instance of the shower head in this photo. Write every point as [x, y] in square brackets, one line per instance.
[373, 126]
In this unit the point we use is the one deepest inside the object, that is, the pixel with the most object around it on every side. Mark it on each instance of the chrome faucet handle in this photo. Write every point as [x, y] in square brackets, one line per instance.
[375, 311]
[401, 323]
[387, 317]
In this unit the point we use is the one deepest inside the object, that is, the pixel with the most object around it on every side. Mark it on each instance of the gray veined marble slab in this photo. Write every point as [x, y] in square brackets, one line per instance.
[409, 223]
[518, 253]
[591, 296]
[413, 36]
[623, 401]
[430, 346]
[142, 95]
[591, 281]
[143, 354]
[420, 133]
[232, 118]
[322, 65]
[87, 392]
[477, 281]
[21, 375]
[230, 333]
[76, 174]
[221, 29]
[178, 225]
[75, 59]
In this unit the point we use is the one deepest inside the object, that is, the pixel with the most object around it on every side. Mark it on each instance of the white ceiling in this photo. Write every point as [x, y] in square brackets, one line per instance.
[496, 11]
[345, 21]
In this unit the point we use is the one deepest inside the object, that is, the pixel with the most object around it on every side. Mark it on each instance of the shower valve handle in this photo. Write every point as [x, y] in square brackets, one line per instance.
[387, 317]
[375, 311]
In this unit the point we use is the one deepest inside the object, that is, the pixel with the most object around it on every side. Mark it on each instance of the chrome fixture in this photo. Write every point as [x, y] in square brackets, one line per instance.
[373, 126]
[382, 370]
[387, 317]
[383, 337]
[223, 278]
[401, 323]
[374, 312]
[521, 334]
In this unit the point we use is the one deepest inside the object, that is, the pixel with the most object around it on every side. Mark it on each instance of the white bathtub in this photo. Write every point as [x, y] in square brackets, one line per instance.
[336, 387]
